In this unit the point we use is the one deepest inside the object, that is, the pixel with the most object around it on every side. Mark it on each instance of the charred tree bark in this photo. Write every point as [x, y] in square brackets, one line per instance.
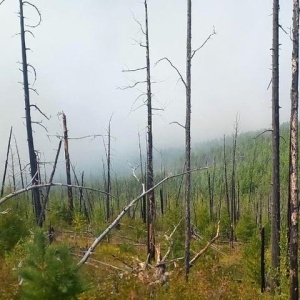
[32, 157]
[68, 169]
[150, 179]
[275, 145]
[188, 141]
[6, 163]
[294, 292]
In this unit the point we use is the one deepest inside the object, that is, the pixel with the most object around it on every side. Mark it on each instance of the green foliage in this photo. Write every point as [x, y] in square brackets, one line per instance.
[251, 256]
[246, 227]
[12, 229]
[48, 271]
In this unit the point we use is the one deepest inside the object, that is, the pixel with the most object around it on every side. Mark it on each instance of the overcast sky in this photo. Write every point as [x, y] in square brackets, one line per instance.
[81, 47]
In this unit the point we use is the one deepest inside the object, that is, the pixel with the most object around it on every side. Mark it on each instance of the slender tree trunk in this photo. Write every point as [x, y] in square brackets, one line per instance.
[108, 185]
[188, 141]
[262, 260]
[150, 179]
[143, 204]
[20, 165]
[226, 179]
[42, 216]
[275, 145]
[6, 163]
[294, 292]
[68, 169]
[32, 157]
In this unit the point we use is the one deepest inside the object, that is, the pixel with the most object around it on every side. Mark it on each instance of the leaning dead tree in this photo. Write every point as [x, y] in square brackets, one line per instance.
[32, 155]
[6, 163]
[294, 199]
[275, 232]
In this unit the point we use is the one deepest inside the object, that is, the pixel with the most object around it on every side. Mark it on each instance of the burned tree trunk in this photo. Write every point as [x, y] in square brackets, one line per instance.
[32, 157]
[294, 292]
[188, 141]
[275, 235]
[150, 179]
[68, 169]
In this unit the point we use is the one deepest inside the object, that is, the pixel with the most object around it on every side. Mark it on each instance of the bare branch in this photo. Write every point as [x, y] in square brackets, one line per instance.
[177, 124]
[134, 70]
[196, 257]
[209, 37]
[131, 86]
[170, 241]
[141, 27]
[181, 78]
[38, 186]
[280, 26]
[37, 10]
[267, 130]
[4, 212]
[34, 90]
[39, 123]
[34, 72]
[92, 136]
[269, 84]
[2, 2]
[37, 108]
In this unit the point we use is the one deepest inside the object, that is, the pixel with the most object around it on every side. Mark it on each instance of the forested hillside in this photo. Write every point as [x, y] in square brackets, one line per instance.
[229, 267]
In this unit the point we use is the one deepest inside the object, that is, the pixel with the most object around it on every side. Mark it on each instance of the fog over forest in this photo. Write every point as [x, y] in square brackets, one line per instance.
[81, 48]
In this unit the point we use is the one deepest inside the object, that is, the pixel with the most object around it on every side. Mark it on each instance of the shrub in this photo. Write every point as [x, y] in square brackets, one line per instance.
[48, 272]
[12, 229]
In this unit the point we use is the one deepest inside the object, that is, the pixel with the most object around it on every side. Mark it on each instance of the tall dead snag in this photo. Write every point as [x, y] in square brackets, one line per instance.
[108, 183]
[226, 178]
[275, 232]
[150, 182]
[188, 141]
[233, 184]
[68, 168]
[187, 84]
[6, 163]
[32, 156]
[294, 292]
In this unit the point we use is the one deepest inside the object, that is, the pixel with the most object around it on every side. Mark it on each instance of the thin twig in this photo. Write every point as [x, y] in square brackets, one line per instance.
[181, 78]
[174, 122]
[209, 37]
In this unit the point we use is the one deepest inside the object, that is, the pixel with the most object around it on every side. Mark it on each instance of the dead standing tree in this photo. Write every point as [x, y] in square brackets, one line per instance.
[294, 291]
[149, 172]
[187, 84]
[32, 155]
[68, 168]
[275, 232]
